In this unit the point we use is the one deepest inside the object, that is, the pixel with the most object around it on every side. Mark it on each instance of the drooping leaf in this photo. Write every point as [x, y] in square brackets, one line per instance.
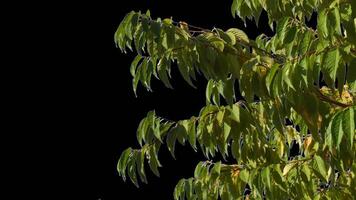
[163, 68]
[134, 64]
[121, 166]
[179, 193]
[188, 188]
[153, 161]
[306, 171]
[334, 21]
[171, 140]
[282, 28]
[331, 63]
[227, 90]
[321, 167]
[348, 124]
[141, 131]
[322, 23]
[336, 129]
[184, 70]
[209, 91]
[266, 177]
[140, 160]
[270, 76]
[305, 43]
[190, 130]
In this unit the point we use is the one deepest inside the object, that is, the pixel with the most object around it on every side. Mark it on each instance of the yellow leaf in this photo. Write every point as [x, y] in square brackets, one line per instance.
[288, 167]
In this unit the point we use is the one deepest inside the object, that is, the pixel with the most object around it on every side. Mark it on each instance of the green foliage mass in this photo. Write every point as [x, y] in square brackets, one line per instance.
[298, 88]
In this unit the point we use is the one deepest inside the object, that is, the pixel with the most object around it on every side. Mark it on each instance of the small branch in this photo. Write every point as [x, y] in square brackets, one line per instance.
[322, 97]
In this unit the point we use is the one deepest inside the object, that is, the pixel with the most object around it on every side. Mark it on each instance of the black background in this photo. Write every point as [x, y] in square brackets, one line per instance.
[102, 113]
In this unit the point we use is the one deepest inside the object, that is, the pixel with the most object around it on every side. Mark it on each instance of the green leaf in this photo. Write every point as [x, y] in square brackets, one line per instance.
[322, 23]
[156, 129]
[170, 34]
[216, 169]
[132, 172]
[270, 76]
[244, 175]
[141, 131]
[153, 161]
[217, 43]
[181, 133]
[321, 166]
[287, 75]
[235, 147]
[229, 38]
[348, 124]
[145, 24]
[282, 27]
[152, 66]
[334, 20]
[123, 34]
[184, 71]
[227, 130]
[136, 78]
[121, 165]
[189, 126]
[216, 96]
[290, 35]
[341, 75]
[234, 8]
[128, 23]
[156, 28]
[235, 113]
[144, 73]
[151, 118]
[198, 169]
[135, 21]
[331, 63]
[209, 90]
[171, 140]
[220, 116]
[132, 169]
[336, 129]
[163, 68]
[140, 39]
[351, 75]
[246, 79]
[167, 21]
[188, 188]
[306, 171]
[228, 90]
[232, 38]
[140, 160]
[134, 64]
[266, 177]
[240, 36]
[305, 43]
[288, 167]
[192, 133]
[165, 127]
[178, 193]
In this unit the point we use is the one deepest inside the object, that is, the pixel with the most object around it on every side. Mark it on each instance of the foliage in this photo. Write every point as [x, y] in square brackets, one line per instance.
[298, 90]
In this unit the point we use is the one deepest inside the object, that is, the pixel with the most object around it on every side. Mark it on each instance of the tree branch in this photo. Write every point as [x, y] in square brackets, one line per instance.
[324, 98]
